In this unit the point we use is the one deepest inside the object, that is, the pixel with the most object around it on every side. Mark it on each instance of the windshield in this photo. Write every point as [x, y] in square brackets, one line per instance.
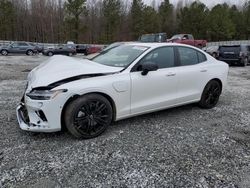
[120, 56]
[114, 45]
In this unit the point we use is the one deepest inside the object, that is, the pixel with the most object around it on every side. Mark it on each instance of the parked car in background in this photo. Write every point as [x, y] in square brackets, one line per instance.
[18, 48]
[234, 54]
[154, 37]
[60, 50]
[188, 39]
[93, 49]
[106, 49]
[82, 49]
[212, 50]
[38, 47]
[129, 80]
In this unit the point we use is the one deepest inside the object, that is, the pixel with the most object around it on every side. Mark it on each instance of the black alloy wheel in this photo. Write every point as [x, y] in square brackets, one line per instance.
[210, 95]
[88, 116]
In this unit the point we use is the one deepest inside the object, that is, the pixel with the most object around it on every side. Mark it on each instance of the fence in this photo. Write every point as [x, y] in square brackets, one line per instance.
[220, 43]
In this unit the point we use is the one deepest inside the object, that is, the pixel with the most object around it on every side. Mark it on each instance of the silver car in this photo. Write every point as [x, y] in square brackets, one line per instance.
[18, 48]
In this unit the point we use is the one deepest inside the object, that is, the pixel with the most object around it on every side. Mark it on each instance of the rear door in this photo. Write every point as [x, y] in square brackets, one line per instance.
[157, 89]
[193, 73]
[23, 47]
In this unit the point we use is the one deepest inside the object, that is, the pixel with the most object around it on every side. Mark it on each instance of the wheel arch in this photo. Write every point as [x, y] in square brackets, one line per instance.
[5, 50]
[217, 80]
[72, 98]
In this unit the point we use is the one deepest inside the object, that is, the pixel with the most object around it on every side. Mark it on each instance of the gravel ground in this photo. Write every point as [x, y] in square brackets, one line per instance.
[180, 147]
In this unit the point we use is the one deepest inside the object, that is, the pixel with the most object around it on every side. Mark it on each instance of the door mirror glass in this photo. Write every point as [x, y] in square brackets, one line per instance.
[147, 67]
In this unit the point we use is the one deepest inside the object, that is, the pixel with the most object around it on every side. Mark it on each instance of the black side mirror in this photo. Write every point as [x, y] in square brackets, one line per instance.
[147, 67]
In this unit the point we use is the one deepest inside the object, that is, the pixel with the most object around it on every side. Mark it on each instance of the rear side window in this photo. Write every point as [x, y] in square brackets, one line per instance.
[188, 56]
[201, 57]
[235, 49]
[163, 57]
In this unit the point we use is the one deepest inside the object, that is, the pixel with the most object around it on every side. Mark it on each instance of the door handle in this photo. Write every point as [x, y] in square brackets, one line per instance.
[171, 74]
[204, 70]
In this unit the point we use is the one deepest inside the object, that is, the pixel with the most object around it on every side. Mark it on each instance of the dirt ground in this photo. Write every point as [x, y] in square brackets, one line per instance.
[180, 147]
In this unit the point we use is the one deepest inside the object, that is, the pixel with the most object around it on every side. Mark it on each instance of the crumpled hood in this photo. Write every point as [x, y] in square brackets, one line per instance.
[61, 67]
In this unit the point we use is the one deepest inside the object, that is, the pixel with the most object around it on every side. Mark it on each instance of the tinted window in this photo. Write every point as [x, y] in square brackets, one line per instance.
[163, 57]
[188, 56]
[202, 57]
[235, 49]
[22, 44]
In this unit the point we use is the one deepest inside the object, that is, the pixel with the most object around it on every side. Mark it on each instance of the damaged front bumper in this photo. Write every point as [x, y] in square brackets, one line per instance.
[40, 116]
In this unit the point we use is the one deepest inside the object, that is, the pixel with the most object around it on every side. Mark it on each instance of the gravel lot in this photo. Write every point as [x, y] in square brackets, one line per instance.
[180, 147]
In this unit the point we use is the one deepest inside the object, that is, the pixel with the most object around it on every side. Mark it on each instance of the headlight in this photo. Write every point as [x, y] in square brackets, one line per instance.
[45, 94]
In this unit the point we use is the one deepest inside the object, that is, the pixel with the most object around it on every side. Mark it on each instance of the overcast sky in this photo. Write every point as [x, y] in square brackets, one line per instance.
[207, 2]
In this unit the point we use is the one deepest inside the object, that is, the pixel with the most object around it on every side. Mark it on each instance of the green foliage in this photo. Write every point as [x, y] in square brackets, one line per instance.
[6, 19]
[193, 19]
[106, 21]
[137, 18]
[221, 27]
[237, 18]
[166, 15]
[150, 20]
[112, 14]
[74, 9]
[246, 16]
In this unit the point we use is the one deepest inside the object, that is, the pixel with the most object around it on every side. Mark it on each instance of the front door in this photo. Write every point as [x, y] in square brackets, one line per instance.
[157, 89]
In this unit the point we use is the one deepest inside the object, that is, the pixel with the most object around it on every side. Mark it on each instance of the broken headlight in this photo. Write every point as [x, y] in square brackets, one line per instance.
[45, 94]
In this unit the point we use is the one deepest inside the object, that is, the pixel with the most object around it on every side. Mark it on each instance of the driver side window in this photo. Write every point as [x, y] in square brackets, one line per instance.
[163, 57]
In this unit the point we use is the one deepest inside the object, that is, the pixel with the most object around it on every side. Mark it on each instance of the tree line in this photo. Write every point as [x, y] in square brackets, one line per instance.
[106, 21]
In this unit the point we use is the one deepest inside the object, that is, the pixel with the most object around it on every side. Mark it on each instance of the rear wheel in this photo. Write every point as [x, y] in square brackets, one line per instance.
[88, 116]
[4, 52]
[244, 62]
[210, 95]
[214, 55]
[29, 53]
[50, 54]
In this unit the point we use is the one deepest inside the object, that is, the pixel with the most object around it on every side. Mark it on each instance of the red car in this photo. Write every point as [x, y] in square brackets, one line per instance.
[188, 39]
[93, 49]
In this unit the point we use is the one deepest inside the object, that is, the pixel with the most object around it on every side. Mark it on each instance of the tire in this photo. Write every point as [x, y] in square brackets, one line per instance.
[244, 62]
[50, 53]
[210, 95]
[214, 55]
[70, 54]
[88, 116]
[4, 52]
[29, 53]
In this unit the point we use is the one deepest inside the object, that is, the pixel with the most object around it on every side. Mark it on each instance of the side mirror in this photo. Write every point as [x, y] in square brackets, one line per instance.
[148, 67]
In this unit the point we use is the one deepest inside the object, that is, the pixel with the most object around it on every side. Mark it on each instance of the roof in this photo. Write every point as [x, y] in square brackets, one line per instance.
[155, 44]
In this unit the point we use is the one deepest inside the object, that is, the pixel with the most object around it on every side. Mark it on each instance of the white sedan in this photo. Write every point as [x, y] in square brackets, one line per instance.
[85, 96]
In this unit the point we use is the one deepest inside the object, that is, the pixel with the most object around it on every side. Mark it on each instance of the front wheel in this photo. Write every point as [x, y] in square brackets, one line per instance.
[210, 95]
[88, 116]
[4, 52]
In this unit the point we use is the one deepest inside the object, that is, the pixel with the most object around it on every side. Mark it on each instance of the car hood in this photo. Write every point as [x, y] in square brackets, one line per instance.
[59, 68]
